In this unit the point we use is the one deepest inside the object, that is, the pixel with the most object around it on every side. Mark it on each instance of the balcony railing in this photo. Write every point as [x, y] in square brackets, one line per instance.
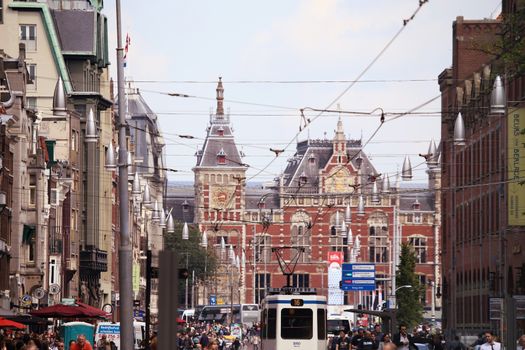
[94, 259]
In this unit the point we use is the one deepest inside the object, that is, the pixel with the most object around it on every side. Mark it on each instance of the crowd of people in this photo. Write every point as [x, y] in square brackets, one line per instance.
[216, 336]
[418, 339]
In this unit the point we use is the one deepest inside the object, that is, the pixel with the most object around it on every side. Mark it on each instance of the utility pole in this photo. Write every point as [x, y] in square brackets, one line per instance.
[254, 274]
[392, 298]
[125, 257]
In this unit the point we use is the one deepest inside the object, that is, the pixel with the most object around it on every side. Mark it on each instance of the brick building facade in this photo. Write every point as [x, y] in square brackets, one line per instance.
[483, 256]
[328, 188]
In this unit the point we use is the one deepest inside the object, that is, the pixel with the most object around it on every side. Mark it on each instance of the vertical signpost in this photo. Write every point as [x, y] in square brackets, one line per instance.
[358, 277]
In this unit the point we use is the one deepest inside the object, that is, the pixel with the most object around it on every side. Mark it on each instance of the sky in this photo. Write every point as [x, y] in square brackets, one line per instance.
[277, 57]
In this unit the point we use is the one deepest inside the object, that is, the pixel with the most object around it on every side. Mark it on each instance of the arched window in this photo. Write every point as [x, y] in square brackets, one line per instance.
[300, 234]
[378, 237]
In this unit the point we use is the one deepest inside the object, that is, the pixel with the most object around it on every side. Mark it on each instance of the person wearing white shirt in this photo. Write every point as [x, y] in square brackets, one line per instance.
[521, 343]
[490, 343]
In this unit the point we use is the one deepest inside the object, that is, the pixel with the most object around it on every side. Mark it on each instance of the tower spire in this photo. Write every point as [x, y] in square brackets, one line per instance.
[220, 100]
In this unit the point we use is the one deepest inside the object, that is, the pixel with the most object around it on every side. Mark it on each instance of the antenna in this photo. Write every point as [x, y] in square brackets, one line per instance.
[288, 267]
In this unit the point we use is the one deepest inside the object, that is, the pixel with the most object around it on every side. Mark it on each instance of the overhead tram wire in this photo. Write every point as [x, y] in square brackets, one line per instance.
[376, 58]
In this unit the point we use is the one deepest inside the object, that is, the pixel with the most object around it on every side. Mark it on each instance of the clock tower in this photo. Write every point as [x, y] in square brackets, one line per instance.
[220, 184]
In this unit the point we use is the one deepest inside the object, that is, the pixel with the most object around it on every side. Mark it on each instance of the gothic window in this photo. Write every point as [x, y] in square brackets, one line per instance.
[420, 247]
[263, 251]
[32, 190]
[378, 237]
[262, 282]
[300, 234]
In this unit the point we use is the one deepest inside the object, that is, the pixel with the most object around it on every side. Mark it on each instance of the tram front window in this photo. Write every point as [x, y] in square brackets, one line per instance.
[296, 323]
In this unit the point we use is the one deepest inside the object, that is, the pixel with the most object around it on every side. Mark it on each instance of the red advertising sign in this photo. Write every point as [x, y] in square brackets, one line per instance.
[335, 257]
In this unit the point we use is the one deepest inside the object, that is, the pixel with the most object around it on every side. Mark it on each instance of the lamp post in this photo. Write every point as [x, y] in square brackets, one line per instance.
[125, 249]
[185, 237]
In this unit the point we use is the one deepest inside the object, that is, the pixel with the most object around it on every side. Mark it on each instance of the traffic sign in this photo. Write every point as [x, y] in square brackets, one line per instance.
[213, 300]
[356, 277]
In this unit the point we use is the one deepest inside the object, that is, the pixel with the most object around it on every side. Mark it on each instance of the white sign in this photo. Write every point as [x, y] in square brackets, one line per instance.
[371, 274]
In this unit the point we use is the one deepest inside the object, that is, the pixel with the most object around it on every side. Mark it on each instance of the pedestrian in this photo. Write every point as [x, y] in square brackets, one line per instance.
[368, 342]
[385, 340]
[343, 341]
[403, 340]
[490, 342]
[256, 341]
[81, 344]
[236, 345]
[378, 332]
[456, 344]
[357, 337]
[103, 343]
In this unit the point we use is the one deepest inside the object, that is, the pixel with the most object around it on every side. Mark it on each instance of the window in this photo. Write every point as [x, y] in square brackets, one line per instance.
[420, 247]
[378, 237]
[301, 239]
[1, 11]
[378, 244]
[321, 324]
[28, 36]
[271, 325]
[32, 189]
[296, 323]
[30, 101]
[300, 235]
[417, 218]
[262, 282]
[263, 250]
[301, 280]
[31, 69]
[74, 140]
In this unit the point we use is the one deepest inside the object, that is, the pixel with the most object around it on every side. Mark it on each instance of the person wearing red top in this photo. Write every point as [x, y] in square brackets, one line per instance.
[81, 344]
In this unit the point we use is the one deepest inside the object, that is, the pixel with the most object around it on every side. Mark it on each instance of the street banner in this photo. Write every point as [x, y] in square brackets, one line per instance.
[516, 166]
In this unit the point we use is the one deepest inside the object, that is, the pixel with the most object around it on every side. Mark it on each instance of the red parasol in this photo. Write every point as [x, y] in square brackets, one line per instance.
[77, 310]
[5, 323]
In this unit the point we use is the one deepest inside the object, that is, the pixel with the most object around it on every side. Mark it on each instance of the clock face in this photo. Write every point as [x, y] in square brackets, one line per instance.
[221, 197]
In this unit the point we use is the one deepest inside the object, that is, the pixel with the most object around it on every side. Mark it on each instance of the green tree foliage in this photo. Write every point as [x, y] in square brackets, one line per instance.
[512, 42]
[198, 258]
[507, 47]
[410, 308]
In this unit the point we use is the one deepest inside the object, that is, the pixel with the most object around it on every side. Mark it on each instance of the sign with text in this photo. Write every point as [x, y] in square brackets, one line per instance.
[516, 165]
[356, 277]
[335, 257]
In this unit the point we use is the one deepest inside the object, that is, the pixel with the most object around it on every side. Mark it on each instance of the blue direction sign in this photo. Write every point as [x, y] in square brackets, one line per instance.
[358, 277]
[213, 300]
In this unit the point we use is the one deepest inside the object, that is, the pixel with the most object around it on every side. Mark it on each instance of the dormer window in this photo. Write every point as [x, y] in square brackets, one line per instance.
[221, 157]
[303, 179]
[416, 205]
[220, 131]
[311, 160]
[185, 206]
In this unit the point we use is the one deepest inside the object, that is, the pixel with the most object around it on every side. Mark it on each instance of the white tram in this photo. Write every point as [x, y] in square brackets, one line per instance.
[294, 319]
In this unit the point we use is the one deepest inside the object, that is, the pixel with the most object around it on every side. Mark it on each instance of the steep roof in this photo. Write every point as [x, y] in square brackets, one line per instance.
[148, 143]
[219, 140]
[412, 192]
[320, 151]
[76, 30]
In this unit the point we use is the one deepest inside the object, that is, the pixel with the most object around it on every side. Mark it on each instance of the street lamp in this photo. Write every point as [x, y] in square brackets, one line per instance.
[401, 287]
